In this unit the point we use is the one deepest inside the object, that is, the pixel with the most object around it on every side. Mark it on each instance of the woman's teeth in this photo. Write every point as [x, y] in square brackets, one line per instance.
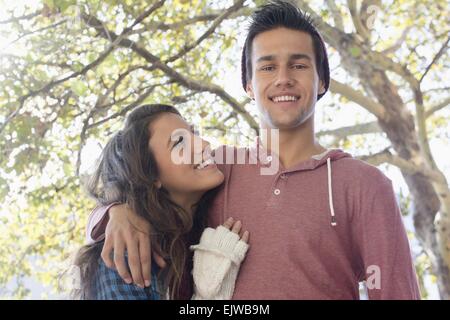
[204, 164]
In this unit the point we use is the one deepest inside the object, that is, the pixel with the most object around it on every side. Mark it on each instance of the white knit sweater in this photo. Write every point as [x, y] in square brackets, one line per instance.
[217, 259]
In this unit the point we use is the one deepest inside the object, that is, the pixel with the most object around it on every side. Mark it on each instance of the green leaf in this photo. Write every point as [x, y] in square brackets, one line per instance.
[79, 87]
[355, 51]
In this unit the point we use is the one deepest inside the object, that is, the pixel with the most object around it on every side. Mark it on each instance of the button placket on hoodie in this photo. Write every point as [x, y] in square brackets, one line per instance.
[278, 189]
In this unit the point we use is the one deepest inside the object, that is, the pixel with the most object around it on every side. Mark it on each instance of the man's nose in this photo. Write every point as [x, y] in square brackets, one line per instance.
[284, 78]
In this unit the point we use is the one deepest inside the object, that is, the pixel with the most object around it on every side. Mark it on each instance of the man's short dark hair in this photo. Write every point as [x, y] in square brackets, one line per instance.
[278, 14]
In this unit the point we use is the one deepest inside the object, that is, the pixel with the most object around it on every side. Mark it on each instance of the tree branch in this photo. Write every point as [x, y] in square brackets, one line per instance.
[338, 39]
[171, 73]
[237, 5]
[52, 84]
[344, 132]
[102, 97]
[359, 27]
[437, 107]
[406, 166]
[337, 16]
[62, 65]
[398, 43]
[144, 15]
[373, 107]
[37, 31]
[436, 58]
[152, 26]
[24, 17]
[103, 30]
[331, 34]
[87, 126]
[422, 129]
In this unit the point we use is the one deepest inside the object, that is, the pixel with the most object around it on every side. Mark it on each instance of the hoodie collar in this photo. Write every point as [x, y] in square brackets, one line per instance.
[265, 157]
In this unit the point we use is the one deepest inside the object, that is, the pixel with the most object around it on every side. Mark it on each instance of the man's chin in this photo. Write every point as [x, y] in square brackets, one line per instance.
[292, 122]
[285, 124]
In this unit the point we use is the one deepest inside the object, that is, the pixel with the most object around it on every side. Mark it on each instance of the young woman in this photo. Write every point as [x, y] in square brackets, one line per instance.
[137, 167]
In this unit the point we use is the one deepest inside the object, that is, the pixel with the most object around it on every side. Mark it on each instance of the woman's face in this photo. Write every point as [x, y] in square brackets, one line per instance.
[181, 157]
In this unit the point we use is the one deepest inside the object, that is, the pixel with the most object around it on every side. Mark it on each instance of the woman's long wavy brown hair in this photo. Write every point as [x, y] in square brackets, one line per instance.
[126, 174]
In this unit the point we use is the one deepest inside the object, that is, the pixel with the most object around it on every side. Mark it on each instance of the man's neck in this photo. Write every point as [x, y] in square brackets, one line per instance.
[295, 145]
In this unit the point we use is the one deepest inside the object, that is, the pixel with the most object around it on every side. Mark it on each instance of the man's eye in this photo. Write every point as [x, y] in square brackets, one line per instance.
[267, 68]
[299, 66]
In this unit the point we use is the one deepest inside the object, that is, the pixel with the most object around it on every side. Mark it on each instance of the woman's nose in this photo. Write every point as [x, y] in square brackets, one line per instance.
[201, 150]
[205, 146]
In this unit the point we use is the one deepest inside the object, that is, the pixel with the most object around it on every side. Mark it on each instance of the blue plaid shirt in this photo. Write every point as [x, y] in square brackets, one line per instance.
[108, 285]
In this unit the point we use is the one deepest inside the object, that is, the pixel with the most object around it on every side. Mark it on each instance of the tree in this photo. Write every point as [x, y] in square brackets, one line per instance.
[76, 68]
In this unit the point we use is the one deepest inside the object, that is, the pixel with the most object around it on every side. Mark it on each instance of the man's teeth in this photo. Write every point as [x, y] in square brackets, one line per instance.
[204, 164]
[284, 98]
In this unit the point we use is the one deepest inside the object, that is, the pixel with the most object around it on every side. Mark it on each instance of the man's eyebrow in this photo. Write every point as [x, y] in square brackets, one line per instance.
[265, 58]
[295, 56]
[299, 56]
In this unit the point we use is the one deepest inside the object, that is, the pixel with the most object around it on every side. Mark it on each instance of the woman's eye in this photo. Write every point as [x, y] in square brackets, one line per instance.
[299, 66]
[180, 139]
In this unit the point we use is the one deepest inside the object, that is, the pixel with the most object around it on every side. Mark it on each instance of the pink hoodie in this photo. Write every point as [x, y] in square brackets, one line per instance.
[317, 229]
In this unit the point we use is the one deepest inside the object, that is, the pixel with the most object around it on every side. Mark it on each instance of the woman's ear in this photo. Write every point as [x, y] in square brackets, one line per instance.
[157, 184]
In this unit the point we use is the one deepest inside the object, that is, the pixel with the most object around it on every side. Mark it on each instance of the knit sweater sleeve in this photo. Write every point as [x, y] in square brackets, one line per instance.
[217, 259]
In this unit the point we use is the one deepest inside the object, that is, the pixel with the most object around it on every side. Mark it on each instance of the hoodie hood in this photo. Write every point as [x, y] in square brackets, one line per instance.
[321, 159]
[326, 158]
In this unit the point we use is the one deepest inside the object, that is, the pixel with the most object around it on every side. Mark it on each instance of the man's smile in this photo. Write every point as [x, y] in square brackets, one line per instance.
[284, 98]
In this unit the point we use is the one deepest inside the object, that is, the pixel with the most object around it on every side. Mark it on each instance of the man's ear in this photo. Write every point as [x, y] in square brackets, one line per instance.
[321, 87]
[249, 89]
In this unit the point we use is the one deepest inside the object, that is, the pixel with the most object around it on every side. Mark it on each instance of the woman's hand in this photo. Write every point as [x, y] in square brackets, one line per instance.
[235, 226]
[217, 259]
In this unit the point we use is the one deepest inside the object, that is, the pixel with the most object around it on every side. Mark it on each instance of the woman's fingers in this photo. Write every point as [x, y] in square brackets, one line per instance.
[245, 236]
[236, 227]
[229, 223]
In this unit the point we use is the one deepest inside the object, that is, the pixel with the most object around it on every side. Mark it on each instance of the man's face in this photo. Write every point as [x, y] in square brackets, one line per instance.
[285, 82]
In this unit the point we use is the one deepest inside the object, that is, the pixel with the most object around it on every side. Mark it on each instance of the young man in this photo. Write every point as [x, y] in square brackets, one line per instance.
[323, 221]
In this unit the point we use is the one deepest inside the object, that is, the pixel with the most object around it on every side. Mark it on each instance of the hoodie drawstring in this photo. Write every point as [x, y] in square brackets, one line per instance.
[330, 194]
